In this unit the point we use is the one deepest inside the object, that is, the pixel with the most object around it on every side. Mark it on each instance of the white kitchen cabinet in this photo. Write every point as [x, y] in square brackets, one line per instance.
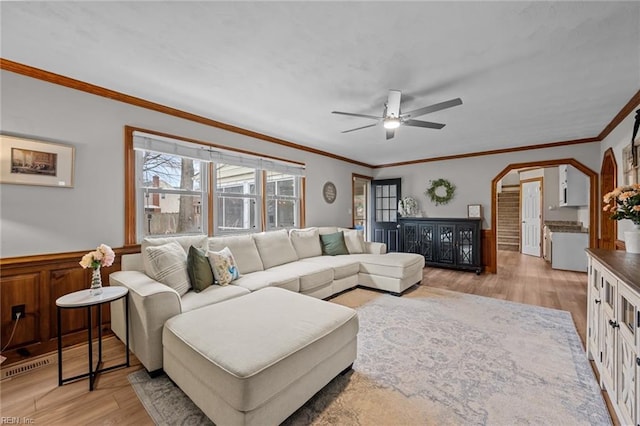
[574, 187]
[613, 318]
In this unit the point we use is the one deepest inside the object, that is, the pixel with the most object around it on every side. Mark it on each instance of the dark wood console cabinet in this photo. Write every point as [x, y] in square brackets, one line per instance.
[448, 243]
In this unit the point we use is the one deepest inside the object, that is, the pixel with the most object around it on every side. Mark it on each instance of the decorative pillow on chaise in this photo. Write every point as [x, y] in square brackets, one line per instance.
[223, 265]
[168, 262]
[199, 269]
[333, 244]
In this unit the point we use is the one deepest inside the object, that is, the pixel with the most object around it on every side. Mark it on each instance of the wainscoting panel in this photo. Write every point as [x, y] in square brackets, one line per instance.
[488, 251]
[36, 282]
[20, 290]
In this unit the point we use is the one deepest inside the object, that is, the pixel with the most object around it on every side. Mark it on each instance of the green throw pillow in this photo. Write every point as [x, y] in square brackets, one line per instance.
[333, 244]
[199, 269]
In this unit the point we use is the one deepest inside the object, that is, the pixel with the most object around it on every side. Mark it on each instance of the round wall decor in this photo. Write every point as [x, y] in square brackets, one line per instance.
[329, 192]
[441, 191]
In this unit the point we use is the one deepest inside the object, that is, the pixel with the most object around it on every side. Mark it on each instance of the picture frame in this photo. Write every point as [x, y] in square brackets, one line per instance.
[33, 162]
[329, 192]
[474, 211]
[630, 173]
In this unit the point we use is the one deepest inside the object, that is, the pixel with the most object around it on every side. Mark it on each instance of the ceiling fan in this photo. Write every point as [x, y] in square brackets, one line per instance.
[392, 117]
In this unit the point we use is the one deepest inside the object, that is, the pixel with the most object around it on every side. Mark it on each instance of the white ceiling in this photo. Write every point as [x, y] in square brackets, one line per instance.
[527, 72]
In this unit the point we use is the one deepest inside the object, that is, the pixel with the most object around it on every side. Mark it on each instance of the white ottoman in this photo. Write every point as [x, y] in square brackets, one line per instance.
[393, 272]
[256, 359]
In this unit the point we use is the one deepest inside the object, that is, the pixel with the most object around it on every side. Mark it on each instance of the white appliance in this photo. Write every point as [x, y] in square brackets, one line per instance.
[568, 250]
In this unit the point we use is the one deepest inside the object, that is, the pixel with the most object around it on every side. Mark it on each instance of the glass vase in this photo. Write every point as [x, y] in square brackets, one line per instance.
[96, 283]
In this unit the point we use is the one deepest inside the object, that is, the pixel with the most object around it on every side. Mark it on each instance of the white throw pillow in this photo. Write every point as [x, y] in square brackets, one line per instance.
[306, 242]
[168, 264]
[223, 266]
[185, 241]
[275, 248]
[354, 239]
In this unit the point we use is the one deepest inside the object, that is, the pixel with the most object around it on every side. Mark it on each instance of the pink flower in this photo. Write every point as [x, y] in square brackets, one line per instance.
[102, 256]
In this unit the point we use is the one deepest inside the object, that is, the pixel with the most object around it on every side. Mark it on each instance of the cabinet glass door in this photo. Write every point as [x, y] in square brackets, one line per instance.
[426, 232]
[446, 252]
[465, 245]
[410, 238]
[628, 315]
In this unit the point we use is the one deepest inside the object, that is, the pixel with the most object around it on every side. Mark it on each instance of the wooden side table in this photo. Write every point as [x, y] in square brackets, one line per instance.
[82, 299]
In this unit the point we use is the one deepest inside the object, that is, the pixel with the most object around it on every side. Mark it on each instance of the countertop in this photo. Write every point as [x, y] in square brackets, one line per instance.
[566, 226]
[625, 266]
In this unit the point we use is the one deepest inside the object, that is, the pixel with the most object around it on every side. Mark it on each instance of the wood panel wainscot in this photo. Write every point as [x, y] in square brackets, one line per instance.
[613, 324]
[36, 282]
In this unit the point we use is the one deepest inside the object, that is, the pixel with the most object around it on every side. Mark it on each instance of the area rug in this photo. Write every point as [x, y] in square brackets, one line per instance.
[451, 359]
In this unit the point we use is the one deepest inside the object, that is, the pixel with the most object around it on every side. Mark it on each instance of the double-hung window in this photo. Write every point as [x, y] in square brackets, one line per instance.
[237, 198]
[171, 190]
[283, 200]
[184, 187]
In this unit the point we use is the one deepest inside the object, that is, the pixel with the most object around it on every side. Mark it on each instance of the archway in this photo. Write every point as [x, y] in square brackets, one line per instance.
[492, 246]
[608, 182]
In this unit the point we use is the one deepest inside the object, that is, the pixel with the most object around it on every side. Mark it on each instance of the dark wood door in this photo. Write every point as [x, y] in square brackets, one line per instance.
[385, 194]
[608, 178]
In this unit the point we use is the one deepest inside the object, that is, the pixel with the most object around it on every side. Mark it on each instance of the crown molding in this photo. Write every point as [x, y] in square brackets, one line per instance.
[47, 76]
[40, 74]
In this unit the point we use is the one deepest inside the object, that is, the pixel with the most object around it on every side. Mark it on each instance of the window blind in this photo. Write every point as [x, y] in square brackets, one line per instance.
[155, 143]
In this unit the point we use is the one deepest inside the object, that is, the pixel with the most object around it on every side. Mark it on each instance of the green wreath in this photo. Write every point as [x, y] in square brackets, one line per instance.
[431, 192]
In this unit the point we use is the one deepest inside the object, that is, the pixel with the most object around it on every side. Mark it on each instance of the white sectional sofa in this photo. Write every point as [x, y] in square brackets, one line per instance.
[290, 260]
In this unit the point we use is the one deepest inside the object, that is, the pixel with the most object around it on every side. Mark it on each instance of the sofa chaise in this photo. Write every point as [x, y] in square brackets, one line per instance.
[291, 260]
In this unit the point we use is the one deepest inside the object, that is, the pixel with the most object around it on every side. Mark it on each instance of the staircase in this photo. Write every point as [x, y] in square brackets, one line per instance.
[509, 220]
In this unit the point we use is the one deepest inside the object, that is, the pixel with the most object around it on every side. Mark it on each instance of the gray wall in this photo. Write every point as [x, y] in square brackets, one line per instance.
[40, 220]
[472, 176]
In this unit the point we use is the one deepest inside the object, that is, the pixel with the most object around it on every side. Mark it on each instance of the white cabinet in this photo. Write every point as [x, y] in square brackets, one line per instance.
[574, 187]
[627, 380]
[613, 318]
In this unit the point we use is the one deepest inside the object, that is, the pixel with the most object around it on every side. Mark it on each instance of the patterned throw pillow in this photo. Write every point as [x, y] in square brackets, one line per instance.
[223, 265]
[169, 265]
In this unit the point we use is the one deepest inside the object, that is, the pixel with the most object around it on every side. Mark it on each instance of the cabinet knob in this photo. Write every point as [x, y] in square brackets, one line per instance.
[638, 360]
[614, 324]
[598, 301]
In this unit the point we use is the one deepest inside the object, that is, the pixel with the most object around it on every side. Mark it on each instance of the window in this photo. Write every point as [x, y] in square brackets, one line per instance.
[172, 194]
[238, 202]
[185, 187]
[282, 200]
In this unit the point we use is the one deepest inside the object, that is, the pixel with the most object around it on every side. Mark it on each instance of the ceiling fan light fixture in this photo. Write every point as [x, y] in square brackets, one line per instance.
[391, 123]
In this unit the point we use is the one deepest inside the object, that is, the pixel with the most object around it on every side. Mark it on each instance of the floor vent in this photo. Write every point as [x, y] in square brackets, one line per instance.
[27, 366]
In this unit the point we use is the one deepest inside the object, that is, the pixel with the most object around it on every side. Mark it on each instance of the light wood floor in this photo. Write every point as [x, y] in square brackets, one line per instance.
[36, 395]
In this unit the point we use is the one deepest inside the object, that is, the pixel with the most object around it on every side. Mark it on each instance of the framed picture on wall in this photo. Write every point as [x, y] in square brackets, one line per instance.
[630, 173]
[32, 162]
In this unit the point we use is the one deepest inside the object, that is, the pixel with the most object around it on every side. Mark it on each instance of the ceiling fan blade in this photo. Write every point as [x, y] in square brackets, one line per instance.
[390, 133]
[420, 123]
[393, 104]
[358, 128]
[433, 108]
[373, 117]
